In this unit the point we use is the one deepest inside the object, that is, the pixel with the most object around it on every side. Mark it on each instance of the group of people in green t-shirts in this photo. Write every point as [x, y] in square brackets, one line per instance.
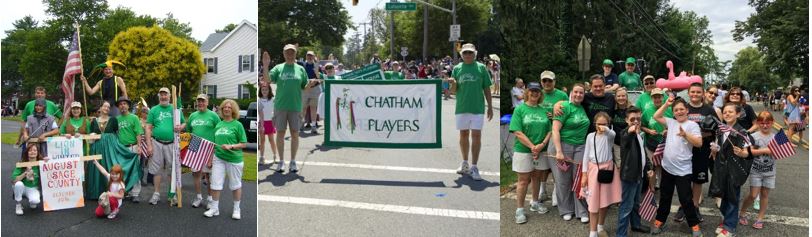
[138, 144]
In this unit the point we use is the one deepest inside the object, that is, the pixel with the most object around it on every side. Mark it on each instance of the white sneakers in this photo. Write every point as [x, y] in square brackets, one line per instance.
[155, 198]
[520, 217]
[568, 217]
[19, 209]
[475, 174]
[236, 213]
[293, 168]
[280, 167]
[197, 201]
[473, 171]
[584, 219]
[214, 211]
[463, 168]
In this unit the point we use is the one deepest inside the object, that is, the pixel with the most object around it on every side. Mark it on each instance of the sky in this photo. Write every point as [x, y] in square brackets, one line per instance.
[722, 15]
[204, 16]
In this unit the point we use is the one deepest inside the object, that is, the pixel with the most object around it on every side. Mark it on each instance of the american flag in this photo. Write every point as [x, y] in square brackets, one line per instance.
[198, 153]
[143, 146]
[576, 184]
[780, 146]
[648, 207]
[72, 67]
[562, 165]
[657, 157]
[725, 128]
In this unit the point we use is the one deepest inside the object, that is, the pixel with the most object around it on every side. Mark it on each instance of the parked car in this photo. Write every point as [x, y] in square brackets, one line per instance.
[249, 122]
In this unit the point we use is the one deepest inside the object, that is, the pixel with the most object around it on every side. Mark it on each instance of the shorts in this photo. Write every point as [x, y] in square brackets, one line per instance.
[284, 119]
[760, 180]
[268, 127]
[524, 163]
[310, 100]
[161, 157]
[699, 165]
[221, 169]
[470, 121]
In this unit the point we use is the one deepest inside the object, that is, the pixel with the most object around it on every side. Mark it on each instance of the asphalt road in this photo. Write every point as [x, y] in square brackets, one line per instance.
[140, 219]
[787, 214]
[391, 192]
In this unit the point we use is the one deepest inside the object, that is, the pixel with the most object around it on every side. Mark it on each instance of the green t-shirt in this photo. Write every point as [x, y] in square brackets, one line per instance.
[28, 183]
[202, 124]
[472, 81]
[547, 106]
[75, 122]
[161, 119]
[229, 132]
[290, 81]
[574, 123]
[630, 80]
[533, 122]
[648, 121]
[391, 75]
[129, 127]
[50, 108]
[644, 102]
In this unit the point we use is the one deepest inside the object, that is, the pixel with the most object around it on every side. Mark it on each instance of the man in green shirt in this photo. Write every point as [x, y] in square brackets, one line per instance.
[290, 79]
[202, 124]
[129, 128]
[629, 78]
[162, 131]
[550, 96]
[473, 82]
[395, 73]
[50, 107]
[653, 129]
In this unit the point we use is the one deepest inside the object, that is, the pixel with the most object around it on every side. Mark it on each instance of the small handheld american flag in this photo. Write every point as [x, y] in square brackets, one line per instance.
[198, 154]
[657, 157]
[576, 184]
[780, 146]
[648, 207]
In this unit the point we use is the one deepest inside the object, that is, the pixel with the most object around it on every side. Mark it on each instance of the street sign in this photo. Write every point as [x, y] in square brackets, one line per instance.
[404, 48]
[404, 53]
[455, 33]
[584, 54]
[401, 6]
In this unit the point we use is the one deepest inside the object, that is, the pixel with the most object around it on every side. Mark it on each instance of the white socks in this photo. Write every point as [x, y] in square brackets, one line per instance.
[237, 204]
[209, 199]
[600, 227]
[200, 196]
[593, 234]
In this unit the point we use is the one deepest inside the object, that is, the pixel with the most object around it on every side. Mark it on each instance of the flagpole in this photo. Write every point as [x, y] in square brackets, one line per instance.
[81, 63]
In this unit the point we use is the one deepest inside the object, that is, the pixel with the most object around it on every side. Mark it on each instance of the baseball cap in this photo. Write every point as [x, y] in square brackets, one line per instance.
[648, 77]
[631, 60]
[76, 104]
[548, 74]
[657, 91]
[202, 96]
[311, 53]
[534, 86]
[608, 62]
[289, 46]
[468, 47]
[164, 89]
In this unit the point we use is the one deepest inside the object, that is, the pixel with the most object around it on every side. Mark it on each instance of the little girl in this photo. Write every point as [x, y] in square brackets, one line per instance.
[598, 156]
[115, 190]
[26, 180]
[267, 130]
[762, 173]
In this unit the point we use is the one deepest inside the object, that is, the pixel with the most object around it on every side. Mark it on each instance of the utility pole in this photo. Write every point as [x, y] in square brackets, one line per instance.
[392, 36]
[454, 22]
[425, 33]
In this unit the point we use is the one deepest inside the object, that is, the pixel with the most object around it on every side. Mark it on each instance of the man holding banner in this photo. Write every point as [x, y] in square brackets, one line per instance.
[290, 79]
[473, 81]
[40, 125]
[160, 129]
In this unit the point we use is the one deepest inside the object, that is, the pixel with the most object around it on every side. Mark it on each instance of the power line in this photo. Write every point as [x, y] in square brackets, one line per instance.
[644, 32]
[656, 26]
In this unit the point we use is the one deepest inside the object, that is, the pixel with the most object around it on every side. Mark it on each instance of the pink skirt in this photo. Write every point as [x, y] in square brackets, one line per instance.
[601, 195]
[268, 126]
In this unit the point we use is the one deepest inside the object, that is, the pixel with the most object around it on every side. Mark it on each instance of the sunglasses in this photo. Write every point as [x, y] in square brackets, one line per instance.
[738, 94]
[766, 123]
[712, 93]
[634, 119]
[546, 81]
[467, 53]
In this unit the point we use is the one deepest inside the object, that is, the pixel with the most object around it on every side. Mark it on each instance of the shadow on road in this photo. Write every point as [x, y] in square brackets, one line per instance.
[280, 179]
[473, 184]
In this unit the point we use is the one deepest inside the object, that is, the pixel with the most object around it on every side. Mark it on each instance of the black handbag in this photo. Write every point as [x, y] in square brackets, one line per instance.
[604, 176]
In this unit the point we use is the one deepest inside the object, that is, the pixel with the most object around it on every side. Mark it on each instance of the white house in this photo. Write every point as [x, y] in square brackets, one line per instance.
[231, 62]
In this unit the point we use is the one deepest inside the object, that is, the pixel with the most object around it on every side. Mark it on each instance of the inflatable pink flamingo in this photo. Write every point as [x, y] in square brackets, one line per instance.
[683, 81]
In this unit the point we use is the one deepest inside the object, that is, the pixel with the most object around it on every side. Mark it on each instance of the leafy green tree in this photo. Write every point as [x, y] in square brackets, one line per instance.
[750, 70]
[13, 51]
[228, 28]
[156, 58]
[780, 29]
[306, 23]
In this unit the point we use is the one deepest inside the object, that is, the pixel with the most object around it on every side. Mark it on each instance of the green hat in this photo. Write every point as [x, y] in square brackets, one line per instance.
[608, 62]
[631, 60]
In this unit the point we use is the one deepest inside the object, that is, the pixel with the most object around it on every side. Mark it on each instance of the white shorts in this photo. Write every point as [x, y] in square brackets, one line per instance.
[220, 169]
[470, 121]
[524, 163]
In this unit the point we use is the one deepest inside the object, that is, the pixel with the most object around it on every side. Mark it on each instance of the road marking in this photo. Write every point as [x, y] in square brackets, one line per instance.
[395, 168]
[785, 220]
[494, 216]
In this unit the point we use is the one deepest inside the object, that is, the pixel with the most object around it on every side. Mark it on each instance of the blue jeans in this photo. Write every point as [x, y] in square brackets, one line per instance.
[730, 210]
[629, 206]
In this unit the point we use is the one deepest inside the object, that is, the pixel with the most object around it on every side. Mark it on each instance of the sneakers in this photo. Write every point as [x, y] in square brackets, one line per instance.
[263, 161]
[475, 174]
[307, 128]
[212, 212]
[463, 168]
[136, 199]
[236, 214]
[520, 217]
[538, 207]
[197, 201]
[155, 198]
[19, 209]
[293, 168]
[567, 217]
[555, 200]
[724, 233]
[696, 231]
[719, 228]
[33, 206]
[657, 228]
[584, 220]
[680, 216]
[113, 214]
[280, 167]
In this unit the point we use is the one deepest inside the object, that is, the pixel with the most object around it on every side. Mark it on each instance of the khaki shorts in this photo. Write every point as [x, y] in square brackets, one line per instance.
[524, 163]
[284, 119]
[161, 158]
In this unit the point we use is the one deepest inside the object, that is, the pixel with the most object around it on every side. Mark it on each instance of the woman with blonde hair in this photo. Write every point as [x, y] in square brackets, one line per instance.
[229, 140]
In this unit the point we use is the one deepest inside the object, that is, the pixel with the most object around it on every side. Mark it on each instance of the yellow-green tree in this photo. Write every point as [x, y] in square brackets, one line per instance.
[155, 58]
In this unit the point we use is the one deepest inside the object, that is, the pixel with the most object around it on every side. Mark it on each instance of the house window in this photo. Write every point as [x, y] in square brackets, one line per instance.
[211, 91]
[211, 67]
[245, 63]
[245, 91]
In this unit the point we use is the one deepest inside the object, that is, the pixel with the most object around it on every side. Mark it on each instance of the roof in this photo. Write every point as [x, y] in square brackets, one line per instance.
[216, 39]
[212, 40]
